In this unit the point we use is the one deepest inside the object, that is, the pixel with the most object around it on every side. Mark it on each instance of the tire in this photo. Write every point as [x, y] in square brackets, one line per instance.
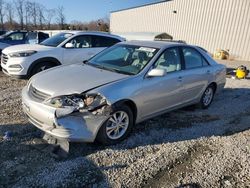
[109, 133]
[207, 97]
[41, 67]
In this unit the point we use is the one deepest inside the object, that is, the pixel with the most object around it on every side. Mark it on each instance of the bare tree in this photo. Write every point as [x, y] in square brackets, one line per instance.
[28, 6]
[34, 14]
[2, 13]
[10, 15]
[60, 17]
[76, 25]
[49, 15]
[40, 14]
[20, 11]
[95, 25]
[103, 25]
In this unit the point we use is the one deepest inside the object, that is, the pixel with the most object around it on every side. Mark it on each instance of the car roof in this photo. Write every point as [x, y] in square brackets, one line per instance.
[154, 44]
[94, 33]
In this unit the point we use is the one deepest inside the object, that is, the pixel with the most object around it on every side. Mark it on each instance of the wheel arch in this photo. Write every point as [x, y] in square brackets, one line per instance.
[214, 85]
[53, 60]
[131, 104]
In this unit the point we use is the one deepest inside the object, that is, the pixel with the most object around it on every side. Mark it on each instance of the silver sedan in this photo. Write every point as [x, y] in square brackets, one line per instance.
[103, 98]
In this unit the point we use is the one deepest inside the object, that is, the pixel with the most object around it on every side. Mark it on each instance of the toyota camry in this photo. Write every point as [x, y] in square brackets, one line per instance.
[130, 82]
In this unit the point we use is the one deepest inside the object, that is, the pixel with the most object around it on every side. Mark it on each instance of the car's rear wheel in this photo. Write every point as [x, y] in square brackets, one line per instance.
[207, 97]
[117, 126]
[41, 67]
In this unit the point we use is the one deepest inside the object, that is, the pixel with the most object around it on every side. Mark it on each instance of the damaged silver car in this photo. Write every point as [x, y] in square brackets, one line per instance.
[103, 98]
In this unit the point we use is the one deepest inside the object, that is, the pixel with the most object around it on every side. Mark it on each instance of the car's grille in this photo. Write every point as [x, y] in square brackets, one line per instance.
[38, 95]
[4, 58]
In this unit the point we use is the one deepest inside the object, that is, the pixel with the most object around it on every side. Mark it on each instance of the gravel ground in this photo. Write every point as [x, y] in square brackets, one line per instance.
[186, 148]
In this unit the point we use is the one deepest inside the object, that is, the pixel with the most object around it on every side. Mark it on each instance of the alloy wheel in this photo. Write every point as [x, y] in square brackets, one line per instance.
[208, 96]
[117, 125]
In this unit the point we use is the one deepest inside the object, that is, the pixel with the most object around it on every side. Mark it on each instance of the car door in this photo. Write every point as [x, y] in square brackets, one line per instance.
[82, 49]
[162, 93]
[196, 75]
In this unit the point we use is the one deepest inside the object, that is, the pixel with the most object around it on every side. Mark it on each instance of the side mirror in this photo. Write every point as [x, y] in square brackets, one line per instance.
[156, 73]
[69, 45]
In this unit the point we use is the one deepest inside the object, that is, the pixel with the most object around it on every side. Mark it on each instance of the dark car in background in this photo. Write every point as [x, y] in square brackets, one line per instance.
[21, 37]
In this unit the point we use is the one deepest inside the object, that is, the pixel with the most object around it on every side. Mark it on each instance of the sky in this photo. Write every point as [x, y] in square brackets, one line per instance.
[87, 10]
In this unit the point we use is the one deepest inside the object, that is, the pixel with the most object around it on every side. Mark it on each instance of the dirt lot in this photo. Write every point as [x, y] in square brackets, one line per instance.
[186, 148]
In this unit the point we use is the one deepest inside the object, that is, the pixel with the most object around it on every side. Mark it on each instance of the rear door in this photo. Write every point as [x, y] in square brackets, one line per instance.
[196, 75]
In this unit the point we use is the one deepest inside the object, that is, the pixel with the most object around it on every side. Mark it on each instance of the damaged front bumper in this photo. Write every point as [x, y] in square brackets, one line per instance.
[74, 127]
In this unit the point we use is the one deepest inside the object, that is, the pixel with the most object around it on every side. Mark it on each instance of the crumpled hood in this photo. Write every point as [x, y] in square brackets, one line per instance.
[70, 79]
[26, 47]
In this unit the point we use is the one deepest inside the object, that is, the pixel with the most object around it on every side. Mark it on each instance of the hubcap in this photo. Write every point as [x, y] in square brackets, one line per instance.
[42, 68]
[117, 125]
[208, 96]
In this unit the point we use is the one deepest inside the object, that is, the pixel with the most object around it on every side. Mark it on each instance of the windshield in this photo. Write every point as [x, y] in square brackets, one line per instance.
[6, 34]
[125, 59]
[56, 39]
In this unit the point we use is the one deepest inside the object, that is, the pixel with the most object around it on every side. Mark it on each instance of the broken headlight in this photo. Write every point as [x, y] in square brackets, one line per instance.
[94, 101]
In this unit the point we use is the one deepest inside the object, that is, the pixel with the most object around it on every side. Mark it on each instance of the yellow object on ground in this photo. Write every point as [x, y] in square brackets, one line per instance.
[241, 72]
[221, 54]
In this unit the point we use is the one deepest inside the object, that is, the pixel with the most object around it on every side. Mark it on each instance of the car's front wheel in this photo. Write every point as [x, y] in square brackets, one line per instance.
[117, 127]
[41, 67]
[207, 97]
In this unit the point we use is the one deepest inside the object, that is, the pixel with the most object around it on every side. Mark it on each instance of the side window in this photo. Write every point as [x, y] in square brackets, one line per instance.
[111, 41]
[169, 60]
[81, 41]
[16, 36]
[101, 41]
[193, 59]
[42, 36]
[31, 37]
[204, 62]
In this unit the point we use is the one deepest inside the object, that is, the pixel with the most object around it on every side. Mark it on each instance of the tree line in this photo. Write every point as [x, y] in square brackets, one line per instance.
[31, 15]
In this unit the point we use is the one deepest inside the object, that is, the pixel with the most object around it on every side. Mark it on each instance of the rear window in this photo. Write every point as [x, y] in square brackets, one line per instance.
[193, 59]
[101, 41]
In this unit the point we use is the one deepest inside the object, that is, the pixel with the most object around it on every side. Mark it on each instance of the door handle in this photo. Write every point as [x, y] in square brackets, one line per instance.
[208, 71]
[179, 78]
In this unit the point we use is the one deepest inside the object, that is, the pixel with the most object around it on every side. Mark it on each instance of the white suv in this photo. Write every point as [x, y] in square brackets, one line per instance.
[23, 61]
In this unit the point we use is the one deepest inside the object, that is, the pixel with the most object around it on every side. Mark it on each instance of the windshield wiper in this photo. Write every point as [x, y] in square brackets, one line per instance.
[108, 69]
[93, 65]
[120, 71]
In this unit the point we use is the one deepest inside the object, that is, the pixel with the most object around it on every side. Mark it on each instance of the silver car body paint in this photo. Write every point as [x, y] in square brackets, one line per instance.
[151, 95]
